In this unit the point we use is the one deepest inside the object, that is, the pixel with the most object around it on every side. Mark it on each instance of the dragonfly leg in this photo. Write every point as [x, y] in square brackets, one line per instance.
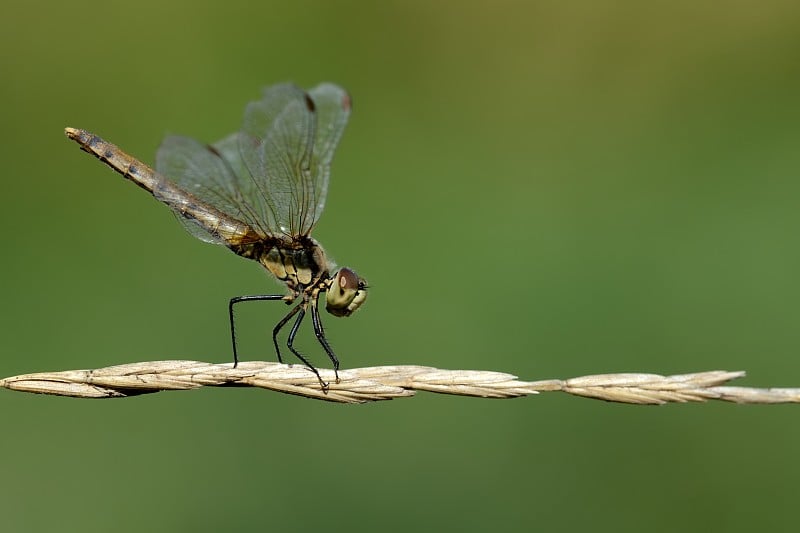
[319, 331]
[253, 298]
[301, 308]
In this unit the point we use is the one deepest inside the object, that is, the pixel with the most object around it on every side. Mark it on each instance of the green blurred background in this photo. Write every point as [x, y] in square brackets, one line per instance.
[551, 189]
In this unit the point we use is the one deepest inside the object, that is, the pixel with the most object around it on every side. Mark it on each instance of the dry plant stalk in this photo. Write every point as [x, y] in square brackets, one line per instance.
[359, 385]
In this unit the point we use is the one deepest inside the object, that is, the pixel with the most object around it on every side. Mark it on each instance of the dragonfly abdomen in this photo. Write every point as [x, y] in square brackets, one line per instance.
[183, 203]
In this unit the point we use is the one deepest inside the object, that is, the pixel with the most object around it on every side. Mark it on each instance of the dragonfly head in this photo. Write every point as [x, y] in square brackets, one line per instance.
[346, 293]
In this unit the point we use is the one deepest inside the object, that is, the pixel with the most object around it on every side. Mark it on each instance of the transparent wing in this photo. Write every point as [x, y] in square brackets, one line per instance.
[216, 176]
[287, 143]
[333, 106]
[273, 175]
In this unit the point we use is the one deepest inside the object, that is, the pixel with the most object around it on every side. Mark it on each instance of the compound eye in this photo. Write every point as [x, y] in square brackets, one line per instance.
[347, 280]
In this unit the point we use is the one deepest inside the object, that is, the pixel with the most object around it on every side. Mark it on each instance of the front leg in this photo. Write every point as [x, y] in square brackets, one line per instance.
[319, 331]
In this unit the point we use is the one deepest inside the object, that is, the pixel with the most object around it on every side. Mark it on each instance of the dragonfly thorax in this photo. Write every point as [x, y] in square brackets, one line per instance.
[298, 262]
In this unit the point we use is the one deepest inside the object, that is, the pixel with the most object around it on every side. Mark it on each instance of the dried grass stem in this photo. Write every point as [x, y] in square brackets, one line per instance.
[359, 385]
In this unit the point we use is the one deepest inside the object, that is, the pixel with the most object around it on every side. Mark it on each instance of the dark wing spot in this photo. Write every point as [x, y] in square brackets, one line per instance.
[132, 169]
[108, 154]
[310, 103]
[213, 151]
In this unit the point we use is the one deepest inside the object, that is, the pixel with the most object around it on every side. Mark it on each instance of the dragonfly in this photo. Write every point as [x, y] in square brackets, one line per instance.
[260, 192]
